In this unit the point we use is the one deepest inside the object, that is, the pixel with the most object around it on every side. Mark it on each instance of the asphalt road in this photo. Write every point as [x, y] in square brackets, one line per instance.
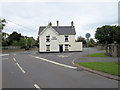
[34, 70]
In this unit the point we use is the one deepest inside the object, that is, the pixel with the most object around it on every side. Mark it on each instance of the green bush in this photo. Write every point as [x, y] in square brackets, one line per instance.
[5, 48]
[15, 43]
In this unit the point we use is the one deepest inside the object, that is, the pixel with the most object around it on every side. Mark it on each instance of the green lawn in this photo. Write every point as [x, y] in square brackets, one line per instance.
[96, 55]
[107, 67]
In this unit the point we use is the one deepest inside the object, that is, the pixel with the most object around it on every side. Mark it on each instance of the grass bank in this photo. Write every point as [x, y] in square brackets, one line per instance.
[107, 67]
[96, 55]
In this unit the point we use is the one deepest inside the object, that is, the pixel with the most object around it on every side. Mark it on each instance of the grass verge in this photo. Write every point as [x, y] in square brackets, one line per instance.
[107, 67]
[96, 55]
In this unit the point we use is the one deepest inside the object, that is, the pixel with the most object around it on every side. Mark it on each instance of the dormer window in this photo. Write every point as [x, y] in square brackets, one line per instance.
[66, 38]
[47, 38]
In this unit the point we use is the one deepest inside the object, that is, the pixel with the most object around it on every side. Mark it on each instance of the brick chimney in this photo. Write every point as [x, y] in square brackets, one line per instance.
[72, 24]
[57, 23]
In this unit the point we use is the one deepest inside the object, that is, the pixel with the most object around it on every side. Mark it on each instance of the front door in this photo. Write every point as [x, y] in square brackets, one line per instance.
[61, 48]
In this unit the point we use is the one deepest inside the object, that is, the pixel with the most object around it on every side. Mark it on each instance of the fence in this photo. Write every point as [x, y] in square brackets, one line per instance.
[11, 47]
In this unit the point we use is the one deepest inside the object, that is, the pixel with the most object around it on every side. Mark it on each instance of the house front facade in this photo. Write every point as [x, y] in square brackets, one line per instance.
[58, 39]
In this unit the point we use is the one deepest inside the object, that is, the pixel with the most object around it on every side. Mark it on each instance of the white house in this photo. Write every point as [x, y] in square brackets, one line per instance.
[58, 38]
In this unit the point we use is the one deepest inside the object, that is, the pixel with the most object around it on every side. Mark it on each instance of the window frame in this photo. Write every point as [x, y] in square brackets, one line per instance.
[66, 38]
[47, 47]
[66, 47]
[47, 38]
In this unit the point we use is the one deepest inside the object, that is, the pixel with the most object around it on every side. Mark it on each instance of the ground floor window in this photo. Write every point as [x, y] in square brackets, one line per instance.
[66, 47]
[47, 47]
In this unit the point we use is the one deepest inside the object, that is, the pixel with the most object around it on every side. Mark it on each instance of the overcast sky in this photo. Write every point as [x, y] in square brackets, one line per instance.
[87, 16]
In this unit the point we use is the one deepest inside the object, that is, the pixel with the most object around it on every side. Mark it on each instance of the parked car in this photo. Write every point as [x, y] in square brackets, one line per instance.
[27, 48]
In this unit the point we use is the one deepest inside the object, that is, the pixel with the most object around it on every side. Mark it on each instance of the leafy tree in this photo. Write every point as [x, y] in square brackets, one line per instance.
[81, 39]
[29, 42]
[14, 37]
[5, 42]
[15, 43]
[106, 34]
[4, 39]
[2, 24]
[117, 35]
[22, 42]
[91, 42]
[4, 35]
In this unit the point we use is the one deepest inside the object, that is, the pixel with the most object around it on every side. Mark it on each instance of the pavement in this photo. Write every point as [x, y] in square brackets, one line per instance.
[30, 69]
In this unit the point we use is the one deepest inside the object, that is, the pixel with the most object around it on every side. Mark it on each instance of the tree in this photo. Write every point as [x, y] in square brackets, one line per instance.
[14, 37]
[5, 42]
[106, 34]
[117, 35]
[81, 39]
[4, 35]
[4, 39]
[91, 42]
[22, 42]
[15, 43]
[2, 24]
[29, 42]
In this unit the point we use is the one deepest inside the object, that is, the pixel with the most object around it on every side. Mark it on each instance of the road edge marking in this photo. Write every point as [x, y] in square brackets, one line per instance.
[54, 62]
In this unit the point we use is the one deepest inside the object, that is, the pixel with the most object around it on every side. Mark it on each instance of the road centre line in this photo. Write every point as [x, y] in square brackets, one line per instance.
[36, 86]
[14, 59]
[54, 62]
[21, 68]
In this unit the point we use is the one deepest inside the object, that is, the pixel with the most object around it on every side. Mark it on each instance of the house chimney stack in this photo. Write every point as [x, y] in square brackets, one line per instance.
[57, 23]
[72, 24]
[50, 24]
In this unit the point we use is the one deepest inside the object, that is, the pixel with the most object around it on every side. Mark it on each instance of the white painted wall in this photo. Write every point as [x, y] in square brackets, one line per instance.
[54, 44]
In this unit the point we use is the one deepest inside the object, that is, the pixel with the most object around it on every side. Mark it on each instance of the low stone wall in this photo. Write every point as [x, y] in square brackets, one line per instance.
[113, 49]
[100, 47]
[11, 47]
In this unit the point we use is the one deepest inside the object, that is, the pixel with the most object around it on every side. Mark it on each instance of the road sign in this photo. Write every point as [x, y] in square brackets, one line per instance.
[87, 35]
[87, 40]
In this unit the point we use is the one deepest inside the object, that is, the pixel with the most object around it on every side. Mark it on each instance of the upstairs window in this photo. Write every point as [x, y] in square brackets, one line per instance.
[47, 38]
[66, 38]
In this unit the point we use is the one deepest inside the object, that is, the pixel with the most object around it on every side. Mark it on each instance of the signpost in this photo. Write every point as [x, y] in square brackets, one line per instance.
[87, 36]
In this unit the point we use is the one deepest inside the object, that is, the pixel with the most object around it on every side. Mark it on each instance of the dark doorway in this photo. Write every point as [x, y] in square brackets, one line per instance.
[61, 48]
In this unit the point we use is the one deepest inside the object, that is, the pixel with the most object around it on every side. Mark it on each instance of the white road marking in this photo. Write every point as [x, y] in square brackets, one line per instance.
[3, 54]
[21, 68]
[73, 61]
[14, 59]
[62, 55]
[55, 62]
[36, 86]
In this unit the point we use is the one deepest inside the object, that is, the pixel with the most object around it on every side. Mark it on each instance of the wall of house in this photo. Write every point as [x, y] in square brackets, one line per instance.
[54, 44]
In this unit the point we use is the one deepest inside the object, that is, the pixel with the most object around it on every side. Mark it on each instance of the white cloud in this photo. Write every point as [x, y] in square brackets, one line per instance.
[86, 16]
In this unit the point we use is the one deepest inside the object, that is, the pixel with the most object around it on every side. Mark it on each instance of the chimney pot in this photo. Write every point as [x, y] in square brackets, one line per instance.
[50, 24]
[57, 23]
[72, 24]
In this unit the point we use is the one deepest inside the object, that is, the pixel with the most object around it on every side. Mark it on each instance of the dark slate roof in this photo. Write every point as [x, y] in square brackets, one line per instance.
[62, 30]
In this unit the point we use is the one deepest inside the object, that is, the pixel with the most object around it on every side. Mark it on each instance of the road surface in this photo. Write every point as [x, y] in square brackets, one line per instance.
[33, 70]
